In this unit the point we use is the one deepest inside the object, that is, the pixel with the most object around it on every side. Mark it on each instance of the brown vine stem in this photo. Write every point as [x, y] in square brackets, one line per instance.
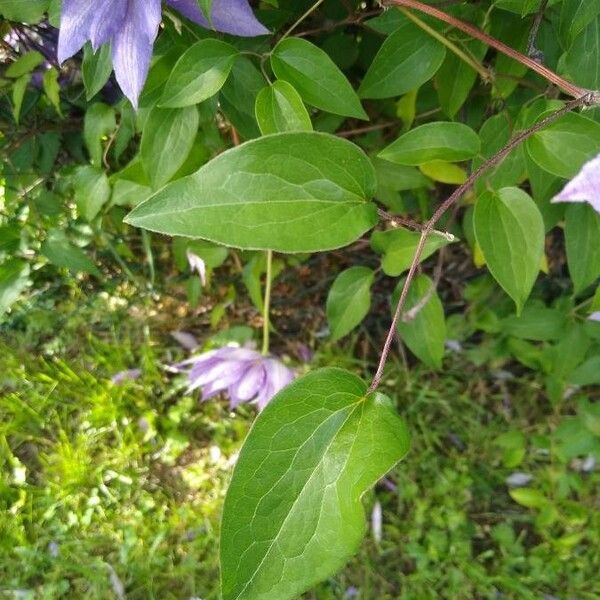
[569, 88]
[584, 100]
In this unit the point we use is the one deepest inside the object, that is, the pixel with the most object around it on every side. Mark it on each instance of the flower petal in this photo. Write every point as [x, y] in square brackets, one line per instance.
[108, 19]
[248, 386]
[132, 46]
[584, 187]
[76, 21]
[228, 16]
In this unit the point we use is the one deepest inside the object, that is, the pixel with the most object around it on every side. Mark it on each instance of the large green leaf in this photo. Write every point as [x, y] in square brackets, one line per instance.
[425, 333]
[582, 235]
[316, 77]
[407, 59]
[441, 140]
[564, 147]
[349, 300]
[293, 515]
[290, 192]
[510, 231]
[199, 74]
[167, 139]
[30, 11]
[398, 248]
[279, 108]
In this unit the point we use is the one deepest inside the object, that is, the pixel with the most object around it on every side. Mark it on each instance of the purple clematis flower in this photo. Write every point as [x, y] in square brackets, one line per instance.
[131, 26]
[584, 187]
[245, 374]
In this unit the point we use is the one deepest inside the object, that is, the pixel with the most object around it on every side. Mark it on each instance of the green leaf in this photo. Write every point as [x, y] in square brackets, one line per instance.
[96, 68]
[52, 88]
[30, 11]
[573, 131]
[25, 64]
[424, 334]
[290, 192]
[528, 497]
[60, 252]
[279, 108]
[292, 515]
[100, 121]
[408, 58]
[199, 74]
[582, 60]
[433, 141]
[398, 248]
[582, 235]
[456, 78]
[92, 191]
[14, 279]
[536, 323]
[18, 93]
[510, 231]
[167, 139]
[316, 77]
[349, 300]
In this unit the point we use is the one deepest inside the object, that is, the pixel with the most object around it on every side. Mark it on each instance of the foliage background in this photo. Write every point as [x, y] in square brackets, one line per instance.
[114, 491]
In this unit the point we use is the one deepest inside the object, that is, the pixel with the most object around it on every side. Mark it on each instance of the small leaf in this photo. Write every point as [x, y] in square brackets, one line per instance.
[92, 191]
[289, 192]
[167, 139]
[279, 108]
[444, 172]
[407, 59]
[199, 74]
[292, 515]
[579, 134]
[96, 68]
[316, 77]
[424, 334]
[528, 497]
[433, 141]
[510, 231]
[349, 300]
[100, 121]
[398, 248]
[25, 64]
[60, 252]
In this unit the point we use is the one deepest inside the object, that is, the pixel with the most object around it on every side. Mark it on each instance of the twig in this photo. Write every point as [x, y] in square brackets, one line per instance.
[584, 100]
[592, 97]
[532, 50]
[304, 16]
[367, 129]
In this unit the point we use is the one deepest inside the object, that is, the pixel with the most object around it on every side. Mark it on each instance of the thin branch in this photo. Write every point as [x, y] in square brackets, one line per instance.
[532, 50]
[592, 97]
[584, 100]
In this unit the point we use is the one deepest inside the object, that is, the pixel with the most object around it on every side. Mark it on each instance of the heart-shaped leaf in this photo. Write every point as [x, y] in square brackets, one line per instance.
[293, 515]
[290, 192]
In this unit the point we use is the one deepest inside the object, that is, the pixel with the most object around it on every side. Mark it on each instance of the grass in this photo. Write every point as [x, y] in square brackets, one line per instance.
[115, 491]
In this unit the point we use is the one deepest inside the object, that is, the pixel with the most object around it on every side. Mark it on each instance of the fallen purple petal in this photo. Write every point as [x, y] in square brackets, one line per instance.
[595, 316]
[129, 375]
[198, 265]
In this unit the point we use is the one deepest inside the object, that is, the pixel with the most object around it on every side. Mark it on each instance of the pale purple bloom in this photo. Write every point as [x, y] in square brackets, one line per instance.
[351, 592]
[131, 26]
[198, 265]
[517, 479]
[243, 373]
[584, 187]
[595, 316]
[129, 375]
[185, 339]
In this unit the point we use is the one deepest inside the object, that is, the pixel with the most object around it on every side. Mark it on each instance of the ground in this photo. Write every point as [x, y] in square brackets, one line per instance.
[115, 491]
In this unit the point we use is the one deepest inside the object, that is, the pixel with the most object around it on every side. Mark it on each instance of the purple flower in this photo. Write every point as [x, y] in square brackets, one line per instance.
[595, 316]
[584, 187]
[131, 26]
[245, 374]
[129, 375]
